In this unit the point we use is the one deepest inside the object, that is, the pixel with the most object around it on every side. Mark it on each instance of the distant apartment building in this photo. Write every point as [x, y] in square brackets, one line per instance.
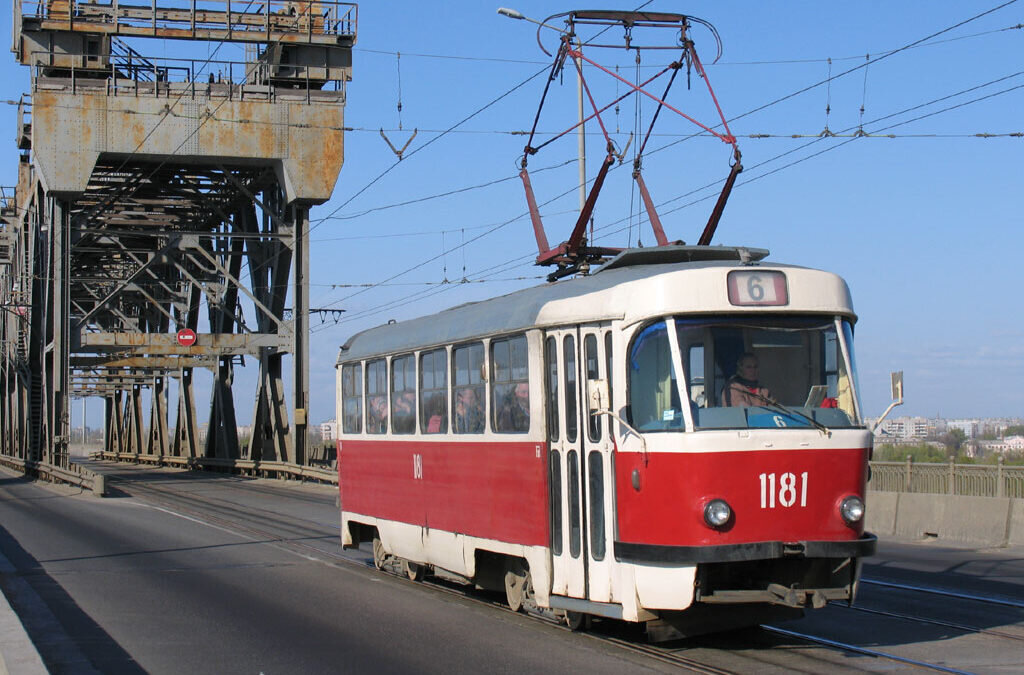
[907, 428]
[970, 427]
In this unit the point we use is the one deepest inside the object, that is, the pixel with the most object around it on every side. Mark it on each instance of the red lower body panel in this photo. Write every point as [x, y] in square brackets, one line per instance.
[492, 490]
[775, 495]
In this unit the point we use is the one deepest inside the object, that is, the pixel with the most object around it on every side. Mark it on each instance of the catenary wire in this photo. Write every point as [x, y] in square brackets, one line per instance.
[406, 300]
[746, 114]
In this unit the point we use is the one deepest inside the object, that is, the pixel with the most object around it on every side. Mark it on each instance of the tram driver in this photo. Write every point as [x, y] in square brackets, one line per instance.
[744, 388]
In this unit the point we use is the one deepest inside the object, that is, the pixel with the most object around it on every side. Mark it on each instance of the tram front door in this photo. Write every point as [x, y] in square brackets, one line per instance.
[579, 463]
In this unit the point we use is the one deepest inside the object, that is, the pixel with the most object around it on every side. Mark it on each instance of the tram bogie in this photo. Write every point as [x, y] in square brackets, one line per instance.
[602, 446]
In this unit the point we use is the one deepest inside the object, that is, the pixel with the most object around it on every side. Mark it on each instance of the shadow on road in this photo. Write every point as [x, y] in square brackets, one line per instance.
[67, 639]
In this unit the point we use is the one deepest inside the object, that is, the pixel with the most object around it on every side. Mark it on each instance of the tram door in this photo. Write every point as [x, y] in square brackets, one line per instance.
[579, 463]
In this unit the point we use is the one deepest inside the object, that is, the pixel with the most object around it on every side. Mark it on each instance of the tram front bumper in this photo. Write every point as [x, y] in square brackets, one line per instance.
[766, 550]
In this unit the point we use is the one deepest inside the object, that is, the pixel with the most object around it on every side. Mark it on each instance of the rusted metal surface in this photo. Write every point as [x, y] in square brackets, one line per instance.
[304, 142]
[155, 192]
[320, 22]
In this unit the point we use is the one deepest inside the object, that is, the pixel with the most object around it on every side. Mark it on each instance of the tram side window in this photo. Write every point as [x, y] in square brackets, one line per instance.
[569, 363]
[468, 388]
[352, 398]
[403, 395]
[695, 373]
[377, 397]
[591, 360]
[653, 397]
[608, 363]
[434, 392]
[551, 368]
[510, 385]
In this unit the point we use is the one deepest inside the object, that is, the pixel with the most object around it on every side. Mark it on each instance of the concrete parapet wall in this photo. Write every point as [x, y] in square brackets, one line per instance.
[881, 512]
[980, 521]
[1017, 524]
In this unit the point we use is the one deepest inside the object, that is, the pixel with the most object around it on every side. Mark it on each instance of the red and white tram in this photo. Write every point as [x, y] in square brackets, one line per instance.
[576, 445]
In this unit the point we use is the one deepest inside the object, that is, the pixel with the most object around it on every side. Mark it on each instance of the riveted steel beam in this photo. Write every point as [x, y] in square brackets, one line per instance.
[152, 201]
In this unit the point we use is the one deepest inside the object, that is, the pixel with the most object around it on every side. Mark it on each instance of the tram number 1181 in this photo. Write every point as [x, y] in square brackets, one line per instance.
[788, 488]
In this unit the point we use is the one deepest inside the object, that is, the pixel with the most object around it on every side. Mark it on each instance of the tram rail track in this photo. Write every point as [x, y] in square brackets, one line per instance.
[934, 622]
[846, 647]
[992, 600]
[173, 501]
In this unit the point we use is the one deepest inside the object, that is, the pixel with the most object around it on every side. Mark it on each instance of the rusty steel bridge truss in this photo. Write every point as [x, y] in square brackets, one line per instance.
[164, 195]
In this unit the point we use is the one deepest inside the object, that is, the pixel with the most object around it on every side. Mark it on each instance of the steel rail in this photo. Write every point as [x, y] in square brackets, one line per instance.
[992, 600]
[931, 622]
[862, 650]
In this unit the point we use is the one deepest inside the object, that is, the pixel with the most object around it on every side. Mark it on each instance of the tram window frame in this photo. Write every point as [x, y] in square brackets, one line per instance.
[433, 396]
[403, 394]
[510, 371]
[376, 375]
[469, 375]
[352, 392]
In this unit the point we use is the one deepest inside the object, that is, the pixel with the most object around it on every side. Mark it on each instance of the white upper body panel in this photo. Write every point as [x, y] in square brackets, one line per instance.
[630, 294]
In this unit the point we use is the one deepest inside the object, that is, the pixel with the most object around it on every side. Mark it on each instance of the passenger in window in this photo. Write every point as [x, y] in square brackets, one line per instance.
[515, 409]
[377, 415]
[436, 423]
[744, 388]
[404, 416]
[469, 413]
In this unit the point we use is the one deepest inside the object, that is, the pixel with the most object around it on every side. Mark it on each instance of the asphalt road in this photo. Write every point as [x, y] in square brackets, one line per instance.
[187, 572]
[117, 585]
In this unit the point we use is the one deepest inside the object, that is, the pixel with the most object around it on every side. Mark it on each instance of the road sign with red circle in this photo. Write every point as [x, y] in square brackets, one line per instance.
[186, 337]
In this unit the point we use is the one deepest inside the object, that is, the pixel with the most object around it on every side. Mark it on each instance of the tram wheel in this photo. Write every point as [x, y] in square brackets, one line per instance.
[577, 621]
[414, 571]
[518, 586]
[378, 553]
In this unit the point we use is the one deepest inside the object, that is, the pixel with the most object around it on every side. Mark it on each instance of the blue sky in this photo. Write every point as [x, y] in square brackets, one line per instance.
[918, 223]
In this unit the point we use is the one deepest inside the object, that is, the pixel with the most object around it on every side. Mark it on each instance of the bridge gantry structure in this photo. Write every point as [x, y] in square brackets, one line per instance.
[159, 196]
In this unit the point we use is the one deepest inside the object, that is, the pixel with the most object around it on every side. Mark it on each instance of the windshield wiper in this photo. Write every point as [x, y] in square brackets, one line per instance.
[792, 413]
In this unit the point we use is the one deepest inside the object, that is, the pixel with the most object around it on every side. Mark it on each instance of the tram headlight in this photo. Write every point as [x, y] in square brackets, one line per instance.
[717, 513]
[852, 510]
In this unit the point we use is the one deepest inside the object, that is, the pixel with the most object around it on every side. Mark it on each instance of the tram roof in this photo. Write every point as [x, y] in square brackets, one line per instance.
[635, 285]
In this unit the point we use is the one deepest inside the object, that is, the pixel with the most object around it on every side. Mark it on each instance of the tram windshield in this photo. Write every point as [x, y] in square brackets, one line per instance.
[743, 372]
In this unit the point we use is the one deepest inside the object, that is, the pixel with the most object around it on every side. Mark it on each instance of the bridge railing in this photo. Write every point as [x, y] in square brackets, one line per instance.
[246, 467]
[127, 73]
[972, 480]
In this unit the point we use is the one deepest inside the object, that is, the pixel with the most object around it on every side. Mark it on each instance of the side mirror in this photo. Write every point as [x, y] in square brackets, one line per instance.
[897, 397]
[598, 397]
[897, 387]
